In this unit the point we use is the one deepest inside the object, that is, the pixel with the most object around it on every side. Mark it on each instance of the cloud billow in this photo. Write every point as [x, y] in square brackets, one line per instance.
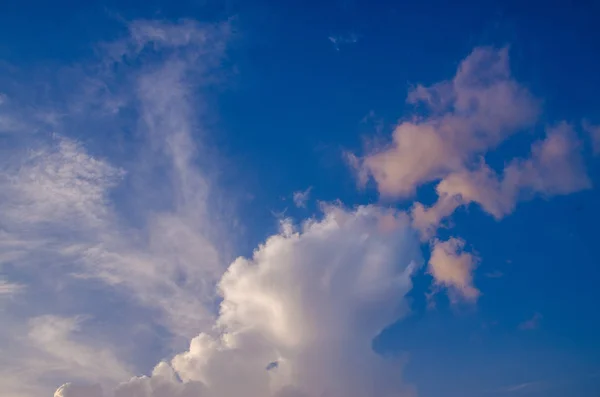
[297, 318]
[465, 118]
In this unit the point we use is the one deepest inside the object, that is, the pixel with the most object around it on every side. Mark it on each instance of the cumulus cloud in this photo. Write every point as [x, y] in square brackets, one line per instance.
[554, 167]
[468, 115]
[74, 390]
[453, 268]
[463, 119]
[310, 300]
[296, 319]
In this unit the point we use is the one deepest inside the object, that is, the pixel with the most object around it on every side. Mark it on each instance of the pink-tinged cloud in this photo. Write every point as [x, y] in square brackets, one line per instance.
[470, 114]
[554, 167]
[453, 268]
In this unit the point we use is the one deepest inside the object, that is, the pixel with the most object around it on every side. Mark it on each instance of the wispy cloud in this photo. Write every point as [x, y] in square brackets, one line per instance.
[61, 227]
[7, 288]
[305, 295]
[594, 134]
[532, 323]
[340, 40]
[521, 388]
[310, 299]
[494, 274]
[147, 237]
[301, 197]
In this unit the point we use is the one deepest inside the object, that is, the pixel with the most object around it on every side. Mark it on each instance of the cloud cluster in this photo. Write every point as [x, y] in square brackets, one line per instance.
[465, 118]
[554, 167]
[298, 318]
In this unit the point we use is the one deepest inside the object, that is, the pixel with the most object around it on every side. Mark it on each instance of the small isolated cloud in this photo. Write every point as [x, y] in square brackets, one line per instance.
[494, 274]
[526, 387]
[532, 323]
[453, 268]
[343, 39]
[301, 197]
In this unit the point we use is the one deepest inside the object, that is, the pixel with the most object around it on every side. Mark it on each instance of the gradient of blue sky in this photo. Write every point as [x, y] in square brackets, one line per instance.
[283, 108]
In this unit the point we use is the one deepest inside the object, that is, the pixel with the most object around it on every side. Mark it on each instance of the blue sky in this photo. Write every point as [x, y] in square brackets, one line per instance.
[381, 198]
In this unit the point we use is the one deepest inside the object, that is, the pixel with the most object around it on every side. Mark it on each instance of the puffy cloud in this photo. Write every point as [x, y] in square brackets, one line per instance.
[299, 317]
[453, 268]
[554, 167]
[464, 118]
[468, 115]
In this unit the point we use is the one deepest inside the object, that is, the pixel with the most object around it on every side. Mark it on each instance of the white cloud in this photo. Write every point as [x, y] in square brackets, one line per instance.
[59, 183]
[299, 316]
[61, 227]
[453, 268]
[74, 390]
[310, 300]
[51, 336]
[48, 348]
[300, 198]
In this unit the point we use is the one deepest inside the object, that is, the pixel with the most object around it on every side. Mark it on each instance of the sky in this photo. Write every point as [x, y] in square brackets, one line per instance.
[217, 198]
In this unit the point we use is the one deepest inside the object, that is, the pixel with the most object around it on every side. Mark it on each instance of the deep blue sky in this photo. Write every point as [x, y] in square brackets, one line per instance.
[293, 104]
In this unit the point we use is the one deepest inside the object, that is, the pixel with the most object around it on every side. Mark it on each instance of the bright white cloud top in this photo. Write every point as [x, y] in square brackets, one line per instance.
[298, 317]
